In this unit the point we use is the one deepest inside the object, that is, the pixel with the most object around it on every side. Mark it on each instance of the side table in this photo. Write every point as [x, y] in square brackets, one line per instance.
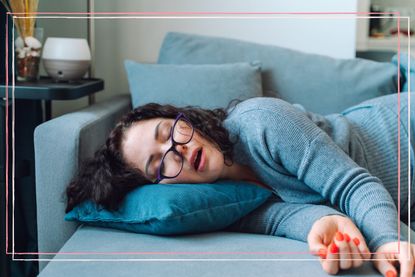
[29, 113]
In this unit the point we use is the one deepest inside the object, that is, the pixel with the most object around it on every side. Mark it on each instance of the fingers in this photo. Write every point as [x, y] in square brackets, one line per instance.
[352, 250]
[357, 259]
[344, 251]
[331, 263]
[387, 256]
[356, 240]
[385, 267]
[406, 261]
[315, 244]
[362, 246]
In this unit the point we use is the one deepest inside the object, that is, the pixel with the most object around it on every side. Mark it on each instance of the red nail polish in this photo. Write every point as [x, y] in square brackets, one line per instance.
[356, 241]
[390, 273]
[322, 253]
[339, 236]
[346, 237]
[334, 249]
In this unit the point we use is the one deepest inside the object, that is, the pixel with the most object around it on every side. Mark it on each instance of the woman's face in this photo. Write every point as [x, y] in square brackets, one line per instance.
[146, 141]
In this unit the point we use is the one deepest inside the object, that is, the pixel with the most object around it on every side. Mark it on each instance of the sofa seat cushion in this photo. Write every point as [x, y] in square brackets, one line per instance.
[184, 257]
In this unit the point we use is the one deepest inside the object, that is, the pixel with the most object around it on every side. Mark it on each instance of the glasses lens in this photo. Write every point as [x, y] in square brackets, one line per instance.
[172, 164]
[183, 131]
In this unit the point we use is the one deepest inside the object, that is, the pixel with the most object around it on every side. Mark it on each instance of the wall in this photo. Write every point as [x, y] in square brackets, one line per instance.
[63, 28]
[140, 39]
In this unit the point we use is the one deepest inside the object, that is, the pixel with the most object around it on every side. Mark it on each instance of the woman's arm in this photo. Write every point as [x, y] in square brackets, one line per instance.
[329, 233]
[328, 170]
[278, 218]
[279, 135]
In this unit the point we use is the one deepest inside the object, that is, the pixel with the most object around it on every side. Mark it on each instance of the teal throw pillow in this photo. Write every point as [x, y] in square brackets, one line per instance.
[176, 208]
[206, 86]
[320, 83]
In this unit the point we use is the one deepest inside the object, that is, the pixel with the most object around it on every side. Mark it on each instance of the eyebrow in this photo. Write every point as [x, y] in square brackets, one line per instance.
[156, 136]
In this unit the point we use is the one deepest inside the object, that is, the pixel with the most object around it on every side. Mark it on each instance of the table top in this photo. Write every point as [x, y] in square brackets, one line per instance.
[48, 89]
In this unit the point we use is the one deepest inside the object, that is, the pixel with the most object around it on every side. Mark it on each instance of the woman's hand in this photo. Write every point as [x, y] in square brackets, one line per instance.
[338, 242]
[387, 257]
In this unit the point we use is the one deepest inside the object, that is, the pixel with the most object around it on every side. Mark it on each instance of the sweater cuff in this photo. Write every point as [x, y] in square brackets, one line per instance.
[380, 240]
[307, 219]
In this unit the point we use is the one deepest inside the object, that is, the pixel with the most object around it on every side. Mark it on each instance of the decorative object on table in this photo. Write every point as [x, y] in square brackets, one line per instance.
[28, 44]
[66, 59]
[387, 25]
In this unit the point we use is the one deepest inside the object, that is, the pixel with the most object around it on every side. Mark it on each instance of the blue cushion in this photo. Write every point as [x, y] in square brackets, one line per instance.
[321, 84]
[207, 86]
[176, 208]
[407, 67]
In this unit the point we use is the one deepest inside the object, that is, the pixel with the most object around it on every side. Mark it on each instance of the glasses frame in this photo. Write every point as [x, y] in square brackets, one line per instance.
[161, 176]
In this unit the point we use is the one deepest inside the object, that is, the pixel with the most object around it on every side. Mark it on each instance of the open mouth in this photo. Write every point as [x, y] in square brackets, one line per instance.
[198, 159]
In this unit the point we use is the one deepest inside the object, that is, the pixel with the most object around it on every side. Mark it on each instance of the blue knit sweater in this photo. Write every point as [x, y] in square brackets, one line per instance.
[309, 159]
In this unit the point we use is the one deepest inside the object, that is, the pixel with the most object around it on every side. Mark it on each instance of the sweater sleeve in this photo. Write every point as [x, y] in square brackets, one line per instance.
[285, 136]
[278, 218]
[352, 188]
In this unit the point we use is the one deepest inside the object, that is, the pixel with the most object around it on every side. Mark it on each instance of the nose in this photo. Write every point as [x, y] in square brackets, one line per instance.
[182, 149]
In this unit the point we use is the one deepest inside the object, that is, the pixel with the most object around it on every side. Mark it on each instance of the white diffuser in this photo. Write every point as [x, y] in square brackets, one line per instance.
[66, 59]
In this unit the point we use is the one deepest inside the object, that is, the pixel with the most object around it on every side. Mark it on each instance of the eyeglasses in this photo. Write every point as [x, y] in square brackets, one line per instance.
[171, 163]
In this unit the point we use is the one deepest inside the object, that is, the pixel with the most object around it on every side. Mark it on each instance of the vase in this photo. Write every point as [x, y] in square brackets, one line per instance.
[27, 54]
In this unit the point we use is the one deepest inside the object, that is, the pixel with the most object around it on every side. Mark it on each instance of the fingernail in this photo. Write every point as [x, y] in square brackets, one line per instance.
[346, 237]
[390, 273]
[339, 236]
[322, 253]
[334, 249]
[356, 241]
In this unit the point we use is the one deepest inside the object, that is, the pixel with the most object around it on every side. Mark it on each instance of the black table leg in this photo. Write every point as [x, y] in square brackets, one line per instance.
[48, 110]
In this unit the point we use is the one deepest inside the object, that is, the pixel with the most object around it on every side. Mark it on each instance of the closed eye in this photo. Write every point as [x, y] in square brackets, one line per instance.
[166, 132]
[170, 130]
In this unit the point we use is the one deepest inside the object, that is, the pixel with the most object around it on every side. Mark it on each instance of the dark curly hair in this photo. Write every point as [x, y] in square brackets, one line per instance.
[106, 178]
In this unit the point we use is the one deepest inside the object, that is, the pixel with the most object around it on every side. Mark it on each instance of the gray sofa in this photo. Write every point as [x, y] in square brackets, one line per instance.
[71, 249]
[60, 145]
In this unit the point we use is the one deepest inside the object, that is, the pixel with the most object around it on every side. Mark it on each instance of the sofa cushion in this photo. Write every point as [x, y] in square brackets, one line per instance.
[215, 254]
[407, 66]
[207, 86]
[321, 84]
[176, 208]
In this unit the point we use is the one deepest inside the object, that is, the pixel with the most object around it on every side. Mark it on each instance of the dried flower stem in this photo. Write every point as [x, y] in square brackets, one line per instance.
[26, 8]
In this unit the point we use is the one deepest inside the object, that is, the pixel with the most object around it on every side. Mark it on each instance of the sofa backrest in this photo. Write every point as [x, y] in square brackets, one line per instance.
[320, 83]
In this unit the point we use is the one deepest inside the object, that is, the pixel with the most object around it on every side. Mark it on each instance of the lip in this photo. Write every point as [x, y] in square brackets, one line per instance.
[193, 157]
[202, 161]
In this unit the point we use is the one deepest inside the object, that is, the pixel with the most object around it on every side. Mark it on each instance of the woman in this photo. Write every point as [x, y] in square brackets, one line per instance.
[312, 163]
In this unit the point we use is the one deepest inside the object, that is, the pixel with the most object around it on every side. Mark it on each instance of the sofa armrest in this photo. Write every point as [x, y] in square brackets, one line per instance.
[61, 145]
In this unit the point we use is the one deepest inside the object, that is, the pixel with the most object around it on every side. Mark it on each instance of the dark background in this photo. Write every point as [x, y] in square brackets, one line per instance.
[4, 260]
[25, 208]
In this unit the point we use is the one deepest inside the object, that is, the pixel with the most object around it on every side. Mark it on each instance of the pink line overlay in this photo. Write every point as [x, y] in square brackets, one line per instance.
[187, 13]
[399, 138]
[7, 133]
[205, 13]
[177, 253]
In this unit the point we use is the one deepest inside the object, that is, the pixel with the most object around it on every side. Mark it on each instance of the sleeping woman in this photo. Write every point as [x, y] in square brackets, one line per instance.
[334, 178]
